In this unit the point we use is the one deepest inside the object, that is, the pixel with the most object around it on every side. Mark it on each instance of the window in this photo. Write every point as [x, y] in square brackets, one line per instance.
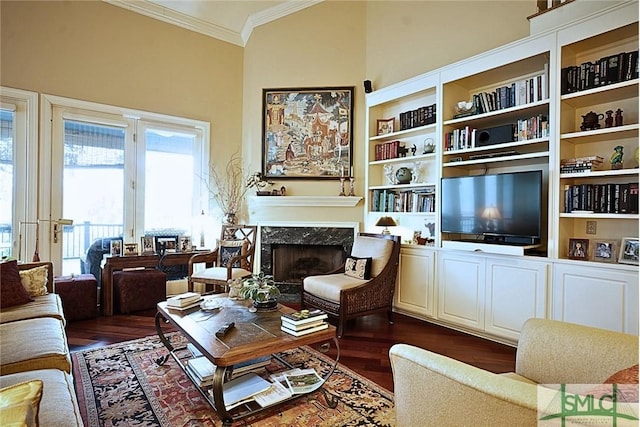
[18, 170]
[120, 173]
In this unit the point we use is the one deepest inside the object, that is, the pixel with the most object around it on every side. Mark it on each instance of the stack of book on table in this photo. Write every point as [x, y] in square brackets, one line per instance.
[304, 322]
[184, 301]
[202, 369]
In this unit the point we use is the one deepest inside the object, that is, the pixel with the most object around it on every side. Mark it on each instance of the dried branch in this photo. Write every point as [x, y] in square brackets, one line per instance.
[229, 188]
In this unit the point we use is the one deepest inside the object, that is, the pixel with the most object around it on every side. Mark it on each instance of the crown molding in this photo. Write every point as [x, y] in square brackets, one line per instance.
[154, 10]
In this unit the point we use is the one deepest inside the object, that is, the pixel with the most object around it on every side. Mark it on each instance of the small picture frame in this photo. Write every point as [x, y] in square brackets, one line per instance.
[579, 249]
[147, 243]
[604, 250]
[130, 249]
[115, 247]
[166, 244]
[385, 126]
[629, 251]
[185, 244]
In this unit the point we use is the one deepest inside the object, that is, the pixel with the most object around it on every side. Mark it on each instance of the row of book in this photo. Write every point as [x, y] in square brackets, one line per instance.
[416, 200]
[581, 164]
[304, 322]
[203, 370]
[607, 70]
[601, 198]
[389, 150]
[421, 116]
[523, 130]
[521, 92]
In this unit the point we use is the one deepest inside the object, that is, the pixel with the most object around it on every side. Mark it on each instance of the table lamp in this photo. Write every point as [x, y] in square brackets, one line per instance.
[386, 222]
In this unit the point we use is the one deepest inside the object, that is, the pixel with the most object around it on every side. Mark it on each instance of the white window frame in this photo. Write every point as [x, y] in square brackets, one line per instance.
[55, 108]
[25, 154]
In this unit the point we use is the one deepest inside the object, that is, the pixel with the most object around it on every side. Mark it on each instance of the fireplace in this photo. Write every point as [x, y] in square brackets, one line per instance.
[290, 253]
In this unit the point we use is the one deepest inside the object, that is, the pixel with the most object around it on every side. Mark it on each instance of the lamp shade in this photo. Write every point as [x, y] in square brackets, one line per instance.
[386, 221]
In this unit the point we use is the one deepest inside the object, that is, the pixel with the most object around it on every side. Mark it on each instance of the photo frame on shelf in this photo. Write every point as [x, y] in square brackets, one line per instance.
[579, 249]
[385, 126]
[185, 244]
[629, 251]
[130, 249]
[115, 247]
[166, 244]
[147, 243]
[604, 250]
[307, 133]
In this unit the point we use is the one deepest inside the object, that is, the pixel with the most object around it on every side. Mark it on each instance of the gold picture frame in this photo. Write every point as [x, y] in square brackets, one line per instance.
[385, 126]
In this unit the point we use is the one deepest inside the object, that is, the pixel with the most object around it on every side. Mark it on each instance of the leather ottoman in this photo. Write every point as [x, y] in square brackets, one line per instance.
[79, 295]
[138, 290]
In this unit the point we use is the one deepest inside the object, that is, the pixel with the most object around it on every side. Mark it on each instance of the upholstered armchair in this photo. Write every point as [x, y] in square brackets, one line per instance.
[434, 390]
[232, 258]
[363, 285]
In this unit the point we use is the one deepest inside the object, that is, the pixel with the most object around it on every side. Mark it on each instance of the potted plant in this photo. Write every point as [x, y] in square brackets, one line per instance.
[262, 289]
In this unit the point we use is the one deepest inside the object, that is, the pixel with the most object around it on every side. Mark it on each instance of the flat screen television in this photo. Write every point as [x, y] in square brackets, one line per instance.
[503, 208]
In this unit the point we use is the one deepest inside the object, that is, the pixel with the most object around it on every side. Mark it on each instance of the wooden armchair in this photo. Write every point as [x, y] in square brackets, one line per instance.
[231, 259]
[345, 295]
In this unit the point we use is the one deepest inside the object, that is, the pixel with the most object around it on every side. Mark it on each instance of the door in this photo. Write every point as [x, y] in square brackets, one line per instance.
[117, 175]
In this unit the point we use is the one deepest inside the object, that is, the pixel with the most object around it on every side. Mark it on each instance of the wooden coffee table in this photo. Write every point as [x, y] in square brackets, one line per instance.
[255, 334]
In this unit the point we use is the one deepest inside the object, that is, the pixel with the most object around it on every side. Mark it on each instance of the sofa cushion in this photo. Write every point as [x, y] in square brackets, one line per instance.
[360, 268]
[58, 406]
[20, 403]
[219, 274]
[12, 292]
[33, 344]
[328, 286]
[49, 305]
[35, 280]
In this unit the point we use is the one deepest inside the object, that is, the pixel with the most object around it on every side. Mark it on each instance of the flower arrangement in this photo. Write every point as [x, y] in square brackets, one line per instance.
[228, 189]
[259, 287]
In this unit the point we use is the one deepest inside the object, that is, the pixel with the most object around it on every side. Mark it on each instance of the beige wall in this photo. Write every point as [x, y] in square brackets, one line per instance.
[97, 52]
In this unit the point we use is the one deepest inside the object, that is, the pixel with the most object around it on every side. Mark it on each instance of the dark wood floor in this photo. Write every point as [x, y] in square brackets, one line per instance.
[364, 346]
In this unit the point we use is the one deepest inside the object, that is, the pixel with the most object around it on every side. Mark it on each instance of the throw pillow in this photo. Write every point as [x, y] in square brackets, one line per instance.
[228, 249]
[20, 403]
[12, 292]
[360, 268]
[35, 280]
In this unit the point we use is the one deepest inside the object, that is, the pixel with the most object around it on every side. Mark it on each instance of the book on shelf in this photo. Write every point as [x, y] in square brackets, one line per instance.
[303, 316]
[202, 370]
[184, 299]
[252, 365]
[194, 350]
[305, 331]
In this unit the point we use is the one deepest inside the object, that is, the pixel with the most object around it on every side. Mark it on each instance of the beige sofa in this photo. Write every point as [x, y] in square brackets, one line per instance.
[33, 345]
[434, 390]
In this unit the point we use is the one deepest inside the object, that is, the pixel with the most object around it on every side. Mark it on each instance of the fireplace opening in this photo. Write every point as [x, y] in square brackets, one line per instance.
[293, 262]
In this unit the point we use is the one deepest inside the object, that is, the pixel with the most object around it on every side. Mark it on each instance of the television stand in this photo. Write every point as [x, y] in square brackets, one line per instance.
[492, 248]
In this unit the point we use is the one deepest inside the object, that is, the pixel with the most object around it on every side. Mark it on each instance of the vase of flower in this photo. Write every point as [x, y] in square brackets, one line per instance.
[229, 218]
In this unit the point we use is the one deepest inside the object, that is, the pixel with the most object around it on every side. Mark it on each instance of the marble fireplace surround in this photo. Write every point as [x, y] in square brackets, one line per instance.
[302, 233]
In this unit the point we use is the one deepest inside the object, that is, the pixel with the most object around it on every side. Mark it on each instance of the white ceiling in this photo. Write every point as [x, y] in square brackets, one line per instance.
[228, 20]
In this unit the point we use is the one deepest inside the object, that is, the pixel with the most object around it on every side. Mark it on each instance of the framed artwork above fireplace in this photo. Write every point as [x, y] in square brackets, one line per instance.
[307, 133]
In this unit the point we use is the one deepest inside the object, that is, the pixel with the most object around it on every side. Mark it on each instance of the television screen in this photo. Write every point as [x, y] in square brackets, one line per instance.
[506, 205]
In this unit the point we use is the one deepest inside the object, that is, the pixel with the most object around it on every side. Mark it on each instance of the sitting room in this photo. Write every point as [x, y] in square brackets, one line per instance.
[318, 212]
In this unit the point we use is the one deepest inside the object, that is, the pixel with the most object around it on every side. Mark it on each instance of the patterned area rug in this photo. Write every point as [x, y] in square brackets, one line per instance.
[121, 385]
